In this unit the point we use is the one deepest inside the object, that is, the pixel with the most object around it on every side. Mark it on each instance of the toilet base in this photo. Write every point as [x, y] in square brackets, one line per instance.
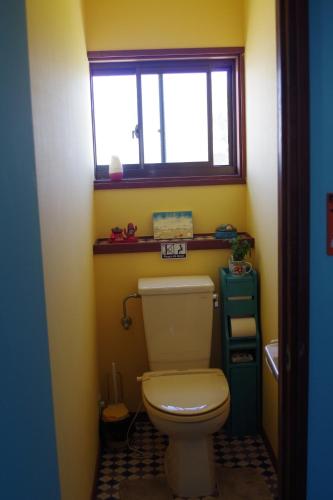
[189, 466]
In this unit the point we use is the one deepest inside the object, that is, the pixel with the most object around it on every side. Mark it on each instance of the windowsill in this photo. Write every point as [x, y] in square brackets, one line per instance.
[168, 182]
[205, 241]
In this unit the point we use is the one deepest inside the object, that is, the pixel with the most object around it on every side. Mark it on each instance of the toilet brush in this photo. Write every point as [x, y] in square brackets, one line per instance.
[116, 411]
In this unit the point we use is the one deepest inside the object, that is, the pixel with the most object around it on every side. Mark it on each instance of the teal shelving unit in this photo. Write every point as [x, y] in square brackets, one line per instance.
[241, 356]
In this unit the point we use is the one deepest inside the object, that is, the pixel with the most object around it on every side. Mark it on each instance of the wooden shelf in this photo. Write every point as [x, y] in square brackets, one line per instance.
[205, 241]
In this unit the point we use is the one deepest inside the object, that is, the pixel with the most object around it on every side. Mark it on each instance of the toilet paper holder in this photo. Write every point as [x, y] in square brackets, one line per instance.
[241, 350]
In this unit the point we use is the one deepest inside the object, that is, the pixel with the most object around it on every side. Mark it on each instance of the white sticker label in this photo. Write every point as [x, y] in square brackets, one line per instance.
[173, 251]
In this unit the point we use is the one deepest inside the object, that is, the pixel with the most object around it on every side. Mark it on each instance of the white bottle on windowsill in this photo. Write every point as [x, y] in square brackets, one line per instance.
[116, 169]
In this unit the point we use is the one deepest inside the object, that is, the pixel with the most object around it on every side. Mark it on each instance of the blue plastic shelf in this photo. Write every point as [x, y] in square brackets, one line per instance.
[239, 298]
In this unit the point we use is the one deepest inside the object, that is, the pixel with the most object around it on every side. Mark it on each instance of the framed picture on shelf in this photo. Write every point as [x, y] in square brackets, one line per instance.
[173, 225]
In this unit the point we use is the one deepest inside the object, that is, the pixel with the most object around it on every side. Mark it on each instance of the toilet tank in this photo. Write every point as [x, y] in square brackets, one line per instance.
[178, 318]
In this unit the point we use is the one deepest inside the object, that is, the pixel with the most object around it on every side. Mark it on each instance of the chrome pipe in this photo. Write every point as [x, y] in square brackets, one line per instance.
[126, 320]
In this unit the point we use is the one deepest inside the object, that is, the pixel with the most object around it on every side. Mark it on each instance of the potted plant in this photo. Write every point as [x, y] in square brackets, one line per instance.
[237, 264]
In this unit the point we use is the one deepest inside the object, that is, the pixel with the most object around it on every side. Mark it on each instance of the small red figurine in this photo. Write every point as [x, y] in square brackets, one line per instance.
[116, 234]
[130, 232]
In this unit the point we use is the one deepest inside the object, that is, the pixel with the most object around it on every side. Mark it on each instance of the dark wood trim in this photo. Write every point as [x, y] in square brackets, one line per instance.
[92, 117]
[125, 55]
[210, 180]
[231, 59]
[210, 137]
[293, 171]
[162, 116]
[140, 118]
[204, 241]
[235, 123]
[188, 170]
[165, 66]
[241, 129]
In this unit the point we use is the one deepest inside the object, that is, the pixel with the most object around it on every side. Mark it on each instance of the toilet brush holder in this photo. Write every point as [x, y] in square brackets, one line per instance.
[114, 424]
[115, 418]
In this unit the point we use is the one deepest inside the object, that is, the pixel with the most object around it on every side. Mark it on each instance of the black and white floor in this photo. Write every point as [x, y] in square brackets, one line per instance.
[121, 463]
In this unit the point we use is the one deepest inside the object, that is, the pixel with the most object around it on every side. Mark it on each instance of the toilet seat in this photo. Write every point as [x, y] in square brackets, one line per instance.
[186, 395]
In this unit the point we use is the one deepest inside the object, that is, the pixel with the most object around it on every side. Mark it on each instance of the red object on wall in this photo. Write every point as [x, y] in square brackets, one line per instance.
[330, 224]
[116, 234]
[130, 232]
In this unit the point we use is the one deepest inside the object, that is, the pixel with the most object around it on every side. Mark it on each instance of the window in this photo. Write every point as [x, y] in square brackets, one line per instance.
[174, 117]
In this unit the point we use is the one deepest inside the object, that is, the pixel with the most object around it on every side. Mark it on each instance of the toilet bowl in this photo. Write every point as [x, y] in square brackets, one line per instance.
[184, 398]
[189, 406]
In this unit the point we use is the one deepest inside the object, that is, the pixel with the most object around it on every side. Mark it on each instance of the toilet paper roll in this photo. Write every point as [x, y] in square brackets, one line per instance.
[243, 327]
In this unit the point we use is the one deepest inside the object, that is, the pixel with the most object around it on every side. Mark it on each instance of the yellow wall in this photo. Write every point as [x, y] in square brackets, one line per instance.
[128, 24]
[62, 135]
[117, 275]
[262, 216]
[60, 99]
[125, 24]
[211, 206]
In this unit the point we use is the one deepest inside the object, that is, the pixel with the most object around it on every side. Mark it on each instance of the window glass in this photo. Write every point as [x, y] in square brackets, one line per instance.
[151, 118]
[116, 116]
[172, 115]
[185, 111]
[220, 117]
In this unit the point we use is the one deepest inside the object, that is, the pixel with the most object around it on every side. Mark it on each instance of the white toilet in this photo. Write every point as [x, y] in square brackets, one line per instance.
[183, 397]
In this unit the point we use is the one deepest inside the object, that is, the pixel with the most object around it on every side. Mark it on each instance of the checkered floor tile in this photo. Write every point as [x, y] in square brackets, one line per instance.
[121, 463]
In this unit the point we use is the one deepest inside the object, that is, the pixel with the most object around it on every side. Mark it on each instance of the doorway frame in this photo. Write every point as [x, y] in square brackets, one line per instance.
[293, 196]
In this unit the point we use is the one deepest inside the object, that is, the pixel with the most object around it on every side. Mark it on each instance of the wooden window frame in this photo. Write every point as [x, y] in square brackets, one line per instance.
[189, 173]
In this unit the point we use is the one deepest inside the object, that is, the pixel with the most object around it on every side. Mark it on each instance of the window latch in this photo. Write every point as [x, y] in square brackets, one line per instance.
[136, 132]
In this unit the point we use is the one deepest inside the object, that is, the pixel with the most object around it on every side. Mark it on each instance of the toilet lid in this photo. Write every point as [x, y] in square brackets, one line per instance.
[188, 392]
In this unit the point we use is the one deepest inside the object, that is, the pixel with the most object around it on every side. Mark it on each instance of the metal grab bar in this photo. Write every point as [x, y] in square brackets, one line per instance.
[126, 320]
